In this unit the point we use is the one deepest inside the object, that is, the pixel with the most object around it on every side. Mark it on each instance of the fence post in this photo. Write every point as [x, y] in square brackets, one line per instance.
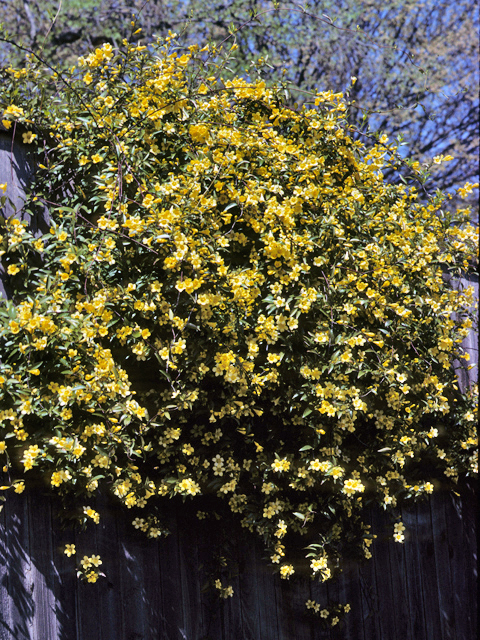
[17, 171]
[467, 376]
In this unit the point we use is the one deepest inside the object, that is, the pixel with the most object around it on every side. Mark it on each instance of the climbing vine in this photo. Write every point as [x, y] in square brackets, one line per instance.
[230, 303]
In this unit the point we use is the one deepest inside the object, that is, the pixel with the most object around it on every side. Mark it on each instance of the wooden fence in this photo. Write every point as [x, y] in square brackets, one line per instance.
[424, 589]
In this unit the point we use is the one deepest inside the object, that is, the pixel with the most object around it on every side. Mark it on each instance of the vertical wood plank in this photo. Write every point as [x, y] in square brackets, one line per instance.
[39, 528]
[442, 563]
[189, 575]
[268, 588]
[19, 568]
[247, 593]
[66, 581]
[369, 591]
[470, 513]
[336, 632]
[424, 535]
[151, 583]
[462, 566]
[414, 574]
[6, 627]
[171, 591]
[213, 614]
[399, 608]
[385, 596]
[88, 599]
[296, 623]
[351, 592]
[232, 618]
[109, 545]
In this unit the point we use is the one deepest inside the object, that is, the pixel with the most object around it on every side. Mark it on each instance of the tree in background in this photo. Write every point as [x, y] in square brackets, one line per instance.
[416, 64]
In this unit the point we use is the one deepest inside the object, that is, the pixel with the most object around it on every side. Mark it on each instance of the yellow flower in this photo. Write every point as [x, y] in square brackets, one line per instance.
[14, 111]
[188, 486]
[281, 465]
[318, 563]
[12, 270]
[29, 137]
[465, 190]
[95, 560]
[19, 487]
[60, 476]
[441, 158]
[148, 200]
[199, 132]
[353, 485]
[69, 550]
[337, 472]
[78, 450]
[286, 570]
[91, 513]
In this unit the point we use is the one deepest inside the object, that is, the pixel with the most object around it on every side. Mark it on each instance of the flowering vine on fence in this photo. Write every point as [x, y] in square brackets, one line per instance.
[231, 301]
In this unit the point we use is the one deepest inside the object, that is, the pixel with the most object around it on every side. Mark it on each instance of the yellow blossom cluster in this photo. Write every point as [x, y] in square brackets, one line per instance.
[230, 300]
[88, 569]
[331, 616]
[398, 534]
[224, 592]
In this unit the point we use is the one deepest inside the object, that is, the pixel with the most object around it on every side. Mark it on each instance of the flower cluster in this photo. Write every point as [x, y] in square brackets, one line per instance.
[88, 570]
[88, 565]
[329, 615]
[230, 301]
[398, 534]
[224, 592]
